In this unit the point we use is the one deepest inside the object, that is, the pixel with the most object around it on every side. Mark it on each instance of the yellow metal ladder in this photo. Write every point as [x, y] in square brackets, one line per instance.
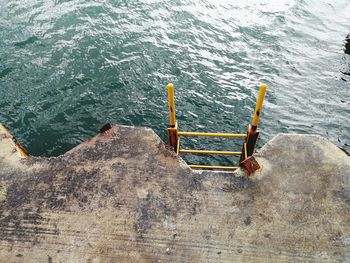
[250, 137]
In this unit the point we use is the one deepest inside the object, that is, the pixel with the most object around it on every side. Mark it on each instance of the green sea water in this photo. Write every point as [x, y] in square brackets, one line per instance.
[68, 67]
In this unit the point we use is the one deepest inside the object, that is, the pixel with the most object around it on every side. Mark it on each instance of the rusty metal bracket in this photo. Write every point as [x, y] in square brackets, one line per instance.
[250, 164]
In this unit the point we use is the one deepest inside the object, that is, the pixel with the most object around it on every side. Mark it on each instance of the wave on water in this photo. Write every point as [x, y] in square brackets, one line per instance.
[67, 67]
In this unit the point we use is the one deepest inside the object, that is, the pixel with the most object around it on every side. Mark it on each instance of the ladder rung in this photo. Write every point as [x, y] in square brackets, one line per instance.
[206, 134]
[210, 152]
[214, 167]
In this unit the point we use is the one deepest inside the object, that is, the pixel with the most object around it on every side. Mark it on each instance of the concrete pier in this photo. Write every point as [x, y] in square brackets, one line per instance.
[123, 196]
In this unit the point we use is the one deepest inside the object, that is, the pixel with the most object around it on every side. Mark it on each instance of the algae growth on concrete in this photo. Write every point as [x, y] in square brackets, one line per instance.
[123, 196]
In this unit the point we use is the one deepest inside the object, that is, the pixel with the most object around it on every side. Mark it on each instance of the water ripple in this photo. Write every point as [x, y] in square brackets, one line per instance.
[66, 67]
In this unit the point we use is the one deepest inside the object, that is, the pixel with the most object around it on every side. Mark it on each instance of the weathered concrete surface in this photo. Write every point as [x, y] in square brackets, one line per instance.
[124, 197]
[10, 152]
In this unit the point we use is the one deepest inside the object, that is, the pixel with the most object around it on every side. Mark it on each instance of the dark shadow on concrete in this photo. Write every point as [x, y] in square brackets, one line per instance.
[124, 196]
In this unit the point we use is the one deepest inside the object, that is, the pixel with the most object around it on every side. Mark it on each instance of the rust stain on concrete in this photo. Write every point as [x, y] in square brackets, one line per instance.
[123, 196]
